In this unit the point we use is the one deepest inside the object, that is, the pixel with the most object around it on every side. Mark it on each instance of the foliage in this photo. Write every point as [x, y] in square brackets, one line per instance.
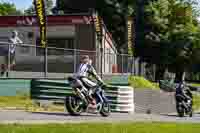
[140, 82]
[31, 9]
[174, 29]
[7, 8]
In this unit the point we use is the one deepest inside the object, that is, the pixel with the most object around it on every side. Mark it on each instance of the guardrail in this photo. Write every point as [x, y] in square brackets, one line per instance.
[121, 98]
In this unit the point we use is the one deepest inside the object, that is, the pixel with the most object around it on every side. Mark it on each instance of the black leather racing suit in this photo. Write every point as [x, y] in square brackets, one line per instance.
[184, 91]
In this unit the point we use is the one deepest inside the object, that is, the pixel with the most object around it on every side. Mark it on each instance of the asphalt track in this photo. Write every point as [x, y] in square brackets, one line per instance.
[10, 117]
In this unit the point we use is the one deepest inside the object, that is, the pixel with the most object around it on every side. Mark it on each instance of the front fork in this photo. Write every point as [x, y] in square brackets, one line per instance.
[101, 97]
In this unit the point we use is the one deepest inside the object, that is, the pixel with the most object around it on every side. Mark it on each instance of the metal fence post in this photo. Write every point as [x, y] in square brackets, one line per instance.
[8, 67]
[101, 50]
[122, 64]
[75, 60]
[133, 65]
[45, 62]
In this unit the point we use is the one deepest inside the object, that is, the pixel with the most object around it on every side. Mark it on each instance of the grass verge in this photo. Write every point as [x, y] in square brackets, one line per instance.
[15, 101]
[103, 128]
[195, 84]
[142, 83]
[25, 103]
[196, 101]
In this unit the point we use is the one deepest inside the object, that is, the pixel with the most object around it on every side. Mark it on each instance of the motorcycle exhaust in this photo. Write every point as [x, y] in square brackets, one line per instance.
[80, 94]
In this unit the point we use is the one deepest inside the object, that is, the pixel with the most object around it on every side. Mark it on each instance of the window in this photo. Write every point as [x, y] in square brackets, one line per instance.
[67, 43]
[24, 49]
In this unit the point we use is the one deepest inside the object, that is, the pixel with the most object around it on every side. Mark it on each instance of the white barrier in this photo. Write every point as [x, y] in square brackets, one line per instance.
[121, 99]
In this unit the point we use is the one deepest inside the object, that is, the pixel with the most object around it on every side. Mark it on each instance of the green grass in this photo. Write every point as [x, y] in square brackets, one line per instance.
[196, 100]
[103, 128]
[140, 83]
[25, 103]
[15, 101]
[195, 84]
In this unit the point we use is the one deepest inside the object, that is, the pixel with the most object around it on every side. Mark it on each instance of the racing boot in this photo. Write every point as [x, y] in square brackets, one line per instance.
[92, 108]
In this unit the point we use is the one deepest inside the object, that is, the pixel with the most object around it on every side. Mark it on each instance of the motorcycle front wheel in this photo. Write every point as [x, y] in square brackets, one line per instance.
[105, 110]
[191, 111]
[180, 110]
[74, 105]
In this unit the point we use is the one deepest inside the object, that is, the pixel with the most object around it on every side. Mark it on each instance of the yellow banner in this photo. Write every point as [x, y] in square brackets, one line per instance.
[130, 35]
[98, 26]
[40, 11]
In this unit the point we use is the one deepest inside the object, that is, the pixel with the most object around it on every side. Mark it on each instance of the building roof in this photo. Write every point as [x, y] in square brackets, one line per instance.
[51, 20]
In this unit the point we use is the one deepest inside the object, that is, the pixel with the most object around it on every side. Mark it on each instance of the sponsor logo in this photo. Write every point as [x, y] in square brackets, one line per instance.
[26, 21]
[87, 19]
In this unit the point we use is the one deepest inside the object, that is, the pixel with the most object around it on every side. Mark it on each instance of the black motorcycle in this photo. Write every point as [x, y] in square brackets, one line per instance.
[184, 105]
[79, 102]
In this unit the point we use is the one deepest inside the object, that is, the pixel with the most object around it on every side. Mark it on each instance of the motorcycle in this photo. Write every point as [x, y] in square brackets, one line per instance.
[183, 105]
[80, 101]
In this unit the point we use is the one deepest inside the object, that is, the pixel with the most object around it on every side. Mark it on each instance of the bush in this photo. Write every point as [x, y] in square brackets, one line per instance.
[140, 82]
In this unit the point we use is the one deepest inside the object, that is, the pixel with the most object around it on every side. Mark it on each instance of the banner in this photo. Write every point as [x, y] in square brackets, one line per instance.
[98, 26]
[41, 15]
[130, 35]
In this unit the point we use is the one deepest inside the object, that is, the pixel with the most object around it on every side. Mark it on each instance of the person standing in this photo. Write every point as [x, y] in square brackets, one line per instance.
[13, 41]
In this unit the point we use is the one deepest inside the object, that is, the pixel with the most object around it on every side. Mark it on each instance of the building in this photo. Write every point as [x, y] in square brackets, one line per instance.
[66, 35]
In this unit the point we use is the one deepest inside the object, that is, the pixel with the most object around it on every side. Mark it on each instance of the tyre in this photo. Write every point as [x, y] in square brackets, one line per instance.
[74, 105]
[180, 111]
[105, 110]
[191, 112]
[181, 114]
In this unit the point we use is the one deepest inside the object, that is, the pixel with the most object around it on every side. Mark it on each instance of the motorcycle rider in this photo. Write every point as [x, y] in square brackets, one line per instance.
[85, 70]
[184, 91]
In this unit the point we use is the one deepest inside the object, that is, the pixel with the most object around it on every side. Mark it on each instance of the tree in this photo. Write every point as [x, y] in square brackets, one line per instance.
[31, 9]
[173, 22]
[7, 8]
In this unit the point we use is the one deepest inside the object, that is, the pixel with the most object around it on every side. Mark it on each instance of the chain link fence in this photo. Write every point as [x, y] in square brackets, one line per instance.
[30, 61]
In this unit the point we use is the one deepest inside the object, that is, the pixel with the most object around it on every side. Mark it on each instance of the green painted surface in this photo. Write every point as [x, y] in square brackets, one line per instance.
[116, 79]
[10, 87]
